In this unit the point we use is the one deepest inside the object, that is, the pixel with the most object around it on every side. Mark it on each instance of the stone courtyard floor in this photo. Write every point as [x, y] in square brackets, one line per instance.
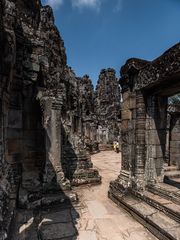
[94, 217]
[100, 218]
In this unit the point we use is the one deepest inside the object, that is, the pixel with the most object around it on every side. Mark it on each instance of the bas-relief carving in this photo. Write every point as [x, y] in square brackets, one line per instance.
[161, 68]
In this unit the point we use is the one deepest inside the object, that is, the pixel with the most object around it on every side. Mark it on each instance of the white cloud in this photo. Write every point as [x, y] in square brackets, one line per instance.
[119, 5]
[55, 4]
[95, 4]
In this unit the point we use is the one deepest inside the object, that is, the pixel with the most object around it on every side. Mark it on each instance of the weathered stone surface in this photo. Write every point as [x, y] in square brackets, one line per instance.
[150, 141]
[107, 107]
[41, 140]
[48, 122]
[57, 225]
[57, 231]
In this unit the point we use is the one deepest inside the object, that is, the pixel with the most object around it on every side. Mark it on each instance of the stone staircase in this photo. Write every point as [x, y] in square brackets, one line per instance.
[157, 208]
[79, 168]
[172, 176]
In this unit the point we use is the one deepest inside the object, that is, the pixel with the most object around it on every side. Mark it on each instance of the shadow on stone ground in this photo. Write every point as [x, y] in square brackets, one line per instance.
[171, 182]
[56, 222]
[49, 213]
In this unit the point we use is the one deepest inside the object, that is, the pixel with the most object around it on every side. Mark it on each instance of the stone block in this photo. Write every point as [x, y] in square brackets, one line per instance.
[57, 231]
[14, 158]
[156, 137]
[44, 60]
[159, 151]
[134, 116]
[175, 136]
[174, 151]
[125, 96]
[14, 133]
[124, 125]
[35, 67]
[15, 118]
[126, 104]
[14, 146]
[175, 144]
[132, 102]
[126, 114]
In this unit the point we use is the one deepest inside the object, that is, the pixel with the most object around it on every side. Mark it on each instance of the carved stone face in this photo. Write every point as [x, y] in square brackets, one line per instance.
[46, 15]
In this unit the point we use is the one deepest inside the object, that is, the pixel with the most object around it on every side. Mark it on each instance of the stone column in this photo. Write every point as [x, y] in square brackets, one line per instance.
[52, 122]
[1, 137]
[3, 131]
[175, 139]
[156, 124]
[2, 143]
[128, 114]
[140, 148]
[168, 137]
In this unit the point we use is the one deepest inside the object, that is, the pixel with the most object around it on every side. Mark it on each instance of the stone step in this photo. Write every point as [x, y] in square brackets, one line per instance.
[160, 224]
[172, 181]
[87, 176]
[173, 174]
[161, 203]
[170, 168]
[49, 200]
[166, 191]
[178, 180]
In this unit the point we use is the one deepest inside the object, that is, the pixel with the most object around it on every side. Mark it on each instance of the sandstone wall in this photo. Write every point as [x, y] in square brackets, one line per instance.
[107, 106]
[49, 117]
[40, 110]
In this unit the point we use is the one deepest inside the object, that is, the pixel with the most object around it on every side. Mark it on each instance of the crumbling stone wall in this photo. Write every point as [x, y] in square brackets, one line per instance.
[145, 176]
[146, 87]
[76, 157]
[48, 116]
[100, 110]
[87, 96]
[107, 107]
[39, 103]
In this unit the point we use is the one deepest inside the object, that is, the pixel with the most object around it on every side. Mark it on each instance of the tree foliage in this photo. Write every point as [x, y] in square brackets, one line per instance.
[175, 99]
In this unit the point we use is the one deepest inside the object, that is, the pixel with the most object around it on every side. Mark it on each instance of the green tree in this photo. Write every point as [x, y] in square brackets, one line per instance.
[175, 99]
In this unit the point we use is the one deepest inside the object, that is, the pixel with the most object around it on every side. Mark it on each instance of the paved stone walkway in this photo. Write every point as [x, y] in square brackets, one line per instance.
[95, 217]
[100, 218]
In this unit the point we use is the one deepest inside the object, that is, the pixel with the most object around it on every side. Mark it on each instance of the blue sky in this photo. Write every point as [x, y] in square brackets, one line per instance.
[105, 33]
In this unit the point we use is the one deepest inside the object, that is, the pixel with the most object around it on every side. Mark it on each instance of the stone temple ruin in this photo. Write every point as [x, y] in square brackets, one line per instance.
[49, 118]
[149, 181]
[107, 108]
[51, 121]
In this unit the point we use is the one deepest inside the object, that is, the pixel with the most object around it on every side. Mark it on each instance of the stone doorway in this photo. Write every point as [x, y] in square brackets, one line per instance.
[34, 145]
[172, 166]
[142, 183]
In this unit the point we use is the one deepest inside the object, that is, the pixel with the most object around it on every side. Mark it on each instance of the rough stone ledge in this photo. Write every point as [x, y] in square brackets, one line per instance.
[161, 225]
[89, 176]
[166, 191]
[167, 206]
[51, 200]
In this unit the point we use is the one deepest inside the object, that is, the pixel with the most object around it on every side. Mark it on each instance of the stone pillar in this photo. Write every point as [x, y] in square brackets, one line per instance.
[128, 116]
[140, 148]
[168, 136]
[1, 138]
[156, 124]
[52, 123]
[3, 134]
[175, 139]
